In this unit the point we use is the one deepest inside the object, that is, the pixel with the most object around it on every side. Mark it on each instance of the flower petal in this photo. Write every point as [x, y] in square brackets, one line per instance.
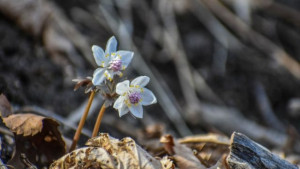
[111, 45]
[137, 110]
[98, 76]
[126, 57]
[148, 97]
[141, 81]
[123, 110]
[121, 106]
[122, 87]
[99, 56]
[119, 102]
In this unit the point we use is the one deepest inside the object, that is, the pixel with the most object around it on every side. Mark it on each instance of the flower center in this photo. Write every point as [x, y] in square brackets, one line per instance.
[115, 65]
[134, 97]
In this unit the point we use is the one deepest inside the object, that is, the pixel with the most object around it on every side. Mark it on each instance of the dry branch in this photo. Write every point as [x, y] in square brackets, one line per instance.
[247, 154]
[265, 108]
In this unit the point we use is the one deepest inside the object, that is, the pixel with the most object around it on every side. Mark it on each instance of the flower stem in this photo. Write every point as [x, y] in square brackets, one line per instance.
[82, 121]
[98, 122]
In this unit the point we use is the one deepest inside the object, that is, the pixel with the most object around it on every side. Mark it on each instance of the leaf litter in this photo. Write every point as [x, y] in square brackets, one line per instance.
[35, 139]
[105, 151]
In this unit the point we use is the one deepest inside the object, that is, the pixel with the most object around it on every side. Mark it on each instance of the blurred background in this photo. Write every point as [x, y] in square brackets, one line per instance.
[215, 65]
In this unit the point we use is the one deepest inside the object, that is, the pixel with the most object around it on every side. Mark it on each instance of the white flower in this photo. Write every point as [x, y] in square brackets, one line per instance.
[111, 62]
[134, 96]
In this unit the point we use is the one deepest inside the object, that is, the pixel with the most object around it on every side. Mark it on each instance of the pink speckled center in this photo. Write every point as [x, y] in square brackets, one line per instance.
[116, 65]
[134, 97]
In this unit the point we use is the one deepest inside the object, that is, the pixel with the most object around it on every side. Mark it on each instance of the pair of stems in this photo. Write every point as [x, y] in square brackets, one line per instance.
[83, 119]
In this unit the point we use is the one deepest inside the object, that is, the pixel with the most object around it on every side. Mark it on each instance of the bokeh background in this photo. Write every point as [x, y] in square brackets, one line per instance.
[215, 65]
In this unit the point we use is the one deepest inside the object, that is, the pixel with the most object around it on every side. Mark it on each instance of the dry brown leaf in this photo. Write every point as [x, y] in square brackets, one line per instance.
[107, 152]
[5, 107]
[208, 148]
[37, 137]
[24, 124]
[184, 156]
[82, 82]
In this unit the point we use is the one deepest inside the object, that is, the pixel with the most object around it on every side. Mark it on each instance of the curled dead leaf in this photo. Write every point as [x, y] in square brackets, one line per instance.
[36, 137]
[81, 82]
[107, 152]
[24, 124]
[168, 142]
[183, 156]
[201, 152]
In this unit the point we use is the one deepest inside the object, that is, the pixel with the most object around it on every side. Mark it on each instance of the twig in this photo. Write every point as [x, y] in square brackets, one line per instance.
[207, 138]
[265, 108]
[219, 59]
[214, 26]
[272, 7]
[284, 12]
[204, 90]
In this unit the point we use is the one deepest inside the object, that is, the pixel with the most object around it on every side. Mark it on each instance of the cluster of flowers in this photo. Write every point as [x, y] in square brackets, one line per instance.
[126, 96]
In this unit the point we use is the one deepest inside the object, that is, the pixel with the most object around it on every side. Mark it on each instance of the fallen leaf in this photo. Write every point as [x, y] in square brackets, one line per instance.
[5, 107]
[107, 152]
[208, 148]
[24, 124]
[183, 156]
[37, 137]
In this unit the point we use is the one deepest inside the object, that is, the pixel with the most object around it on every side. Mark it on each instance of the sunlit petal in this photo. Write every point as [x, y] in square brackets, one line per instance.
[98, 76]
[141, 81]
[99, 56]
[122, 87]
[137, 110]
[119, 102]
[123, 110]
[126, 57]
[111, 45]
[148, 97]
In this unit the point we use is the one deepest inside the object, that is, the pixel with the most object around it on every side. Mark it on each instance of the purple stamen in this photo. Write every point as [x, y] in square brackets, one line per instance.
[116, 65]
[134, 97]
